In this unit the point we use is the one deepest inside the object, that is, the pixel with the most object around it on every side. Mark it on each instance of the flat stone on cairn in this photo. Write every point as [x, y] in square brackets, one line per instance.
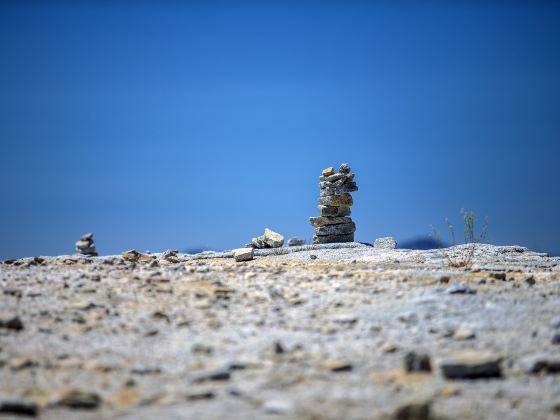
[333, 224]
[86, 246]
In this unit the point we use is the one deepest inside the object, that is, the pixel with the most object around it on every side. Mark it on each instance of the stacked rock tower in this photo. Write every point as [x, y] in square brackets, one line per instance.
[86, 246]
[334, 224]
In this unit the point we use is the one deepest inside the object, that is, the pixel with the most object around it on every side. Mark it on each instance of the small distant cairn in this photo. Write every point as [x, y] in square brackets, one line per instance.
[86, 246]
[333, 225]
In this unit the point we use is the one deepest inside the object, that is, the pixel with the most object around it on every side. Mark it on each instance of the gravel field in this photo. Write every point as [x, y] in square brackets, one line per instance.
[313, 332]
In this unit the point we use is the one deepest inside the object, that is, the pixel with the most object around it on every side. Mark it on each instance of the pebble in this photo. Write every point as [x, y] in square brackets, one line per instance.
[215, 375]
[80, 400]
[472, 364]
[389, 348]
[540, 363]
[417, 362]
[336, 365]
[463, 333]
[18, 408]
[11, 322]
[278, 406]
[460, 288]
[413, 411]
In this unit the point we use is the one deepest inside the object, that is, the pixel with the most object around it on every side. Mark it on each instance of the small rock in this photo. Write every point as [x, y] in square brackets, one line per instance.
[295, 241]
[413, 411]
[498, 276]
[540, 363]
[11, 322]
[556, 338]
[472, 364]
[80, 400]
[273, 239]
[18, 408]
[243, 254]
[417, 362]
[389, 348]
[135, 256]
[216, 375]
[385, 243]
[460, 288]
[530, 280]
[278, 406]
[200, 395]
[328, 171]
[336, 365]
[313, 256]
[463, 333]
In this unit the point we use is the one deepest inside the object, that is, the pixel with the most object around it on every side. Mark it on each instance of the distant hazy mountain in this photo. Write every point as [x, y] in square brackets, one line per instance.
[421, 242]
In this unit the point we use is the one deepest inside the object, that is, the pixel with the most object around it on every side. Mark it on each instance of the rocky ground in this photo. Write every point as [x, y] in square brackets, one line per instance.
[310, 332]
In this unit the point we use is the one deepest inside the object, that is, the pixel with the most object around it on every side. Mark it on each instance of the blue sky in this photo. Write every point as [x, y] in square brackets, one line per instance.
[161, 125]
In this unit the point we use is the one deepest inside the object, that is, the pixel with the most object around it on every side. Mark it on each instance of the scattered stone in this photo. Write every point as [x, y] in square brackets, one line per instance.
[200, 395]
[86, 246]
[530, 280]
[498, 276]
[277, 406]
[540, 363]
[243, 254]
[556, 338]
[313, 256]
[11, 322]
[385, 243]
[333, 225]
[80, 400]
[463, 333]
[216, 375]
[295, 241]
[171, 255]
[389, 348]
[336, 365]
[471, 364]
[460, 288]
[270, 239]
[18, 408]
[413, 411]
[135, 256]
[417, 362]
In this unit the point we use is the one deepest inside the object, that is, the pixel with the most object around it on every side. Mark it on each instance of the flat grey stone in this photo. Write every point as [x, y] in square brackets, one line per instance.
[331, 239]
[324, 221]
[472, 364]
[385, 243]
[337, 200]
[346, 188]
[331, 211]
[341, 229]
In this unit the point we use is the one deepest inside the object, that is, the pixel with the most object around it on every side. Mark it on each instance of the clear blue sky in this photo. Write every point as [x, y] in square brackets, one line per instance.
[163, 125]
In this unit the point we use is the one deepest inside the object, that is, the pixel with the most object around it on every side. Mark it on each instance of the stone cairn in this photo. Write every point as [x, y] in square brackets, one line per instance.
[86, 246]
[333, 224]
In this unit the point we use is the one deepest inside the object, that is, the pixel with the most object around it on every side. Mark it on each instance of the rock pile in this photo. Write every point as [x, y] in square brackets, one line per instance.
[333, 224]
[270, 239]
[86, 246]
